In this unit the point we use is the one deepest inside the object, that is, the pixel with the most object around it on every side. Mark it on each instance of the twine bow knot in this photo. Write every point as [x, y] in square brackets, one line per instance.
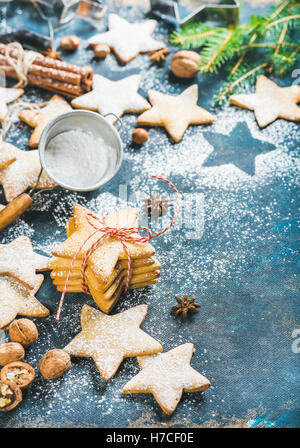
[123, 233]
[21, 64]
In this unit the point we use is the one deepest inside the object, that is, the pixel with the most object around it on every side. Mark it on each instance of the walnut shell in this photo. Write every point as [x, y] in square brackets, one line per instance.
[54, 364]
[185, 64]
[23, 331]
[10, 396]
[20, 373]
[11, 352]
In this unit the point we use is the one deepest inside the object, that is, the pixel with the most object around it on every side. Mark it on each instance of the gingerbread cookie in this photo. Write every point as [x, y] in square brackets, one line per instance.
[22, 173]
[175, 113]
[270, 102]
[8, 95]
[16, 299]
[18, 260]
[39, 119]
[104, 259]
[167, 376]
[110, 339]
[126, 39]
[117, 97]
[7, 155]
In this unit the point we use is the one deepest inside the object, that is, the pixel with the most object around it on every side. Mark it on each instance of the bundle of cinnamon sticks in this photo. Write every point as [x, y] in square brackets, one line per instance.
[51, 74]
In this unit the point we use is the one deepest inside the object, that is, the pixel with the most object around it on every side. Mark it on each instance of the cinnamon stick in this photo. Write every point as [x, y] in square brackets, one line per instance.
[63, 88]
[44, 72]
[59, 71]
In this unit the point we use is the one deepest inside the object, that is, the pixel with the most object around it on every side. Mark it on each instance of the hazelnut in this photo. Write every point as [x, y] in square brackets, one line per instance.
[10, 396]
[20, 373]
[70, 43]
[54, 364]
[10, 352]
[101, 50]
[139, 136]
[185, 64]
[23, 331]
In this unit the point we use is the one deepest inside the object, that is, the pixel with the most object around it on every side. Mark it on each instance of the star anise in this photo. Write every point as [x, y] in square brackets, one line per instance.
[185, 305]
[157, 205]
[52, 53]
[159, 55]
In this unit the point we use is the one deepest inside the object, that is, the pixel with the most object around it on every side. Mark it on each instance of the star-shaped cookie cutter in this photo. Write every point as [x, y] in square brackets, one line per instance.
[176, 12]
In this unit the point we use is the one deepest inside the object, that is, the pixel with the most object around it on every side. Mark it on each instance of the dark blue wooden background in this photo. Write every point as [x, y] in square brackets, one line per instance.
[243, 267]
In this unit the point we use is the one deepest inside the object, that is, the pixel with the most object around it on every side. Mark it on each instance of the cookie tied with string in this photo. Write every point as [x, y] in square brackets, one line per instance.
[104, 259]
[106, 269]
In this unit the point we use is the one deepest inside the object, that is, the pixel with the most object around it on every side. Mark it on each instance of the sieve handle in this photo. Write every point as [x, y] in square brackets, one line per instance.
[119, 121]
[14, 209]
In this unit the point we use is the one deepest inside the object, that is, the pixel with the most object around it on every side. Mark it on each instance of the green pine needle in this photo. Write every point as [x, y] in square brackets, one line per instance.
[270, 42]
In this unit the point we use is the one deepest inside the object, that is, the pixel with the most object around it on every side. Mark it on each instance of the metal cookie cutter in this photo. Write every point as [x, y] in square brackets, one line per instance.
[66, 10]
[180, 12]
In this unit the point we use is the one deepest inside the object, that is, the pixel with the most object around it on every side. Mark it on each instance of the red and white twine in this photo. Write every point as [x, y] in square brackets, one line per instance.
[123, 233]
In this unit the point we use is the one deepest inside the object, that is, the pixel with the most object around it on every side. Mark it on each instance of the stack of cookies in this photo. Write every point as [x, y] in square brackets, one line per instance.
[106, 267]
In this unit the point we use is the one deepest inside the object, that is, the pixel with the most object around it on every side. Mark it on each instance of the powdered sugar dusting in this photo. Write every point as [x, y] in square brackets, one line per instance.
[244, 218]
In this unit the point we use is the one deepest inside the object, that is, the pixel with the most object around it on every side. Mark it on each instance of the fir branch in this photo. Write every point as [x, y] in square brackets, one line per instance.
[283, 19]
[262, 45]
[281, 39]
[212, 55]
[230, 87]
[192, 36]
[245, 51]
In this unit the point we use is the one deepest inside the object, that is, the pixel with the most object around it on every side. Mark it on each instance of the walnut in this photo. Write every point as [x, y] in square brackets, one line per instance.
[20, 373]
[10, 352]
[185, 64]
[10, 396]
[70, 43]
[101, 50]
[54, 364]
[23, 331]
[139, 136]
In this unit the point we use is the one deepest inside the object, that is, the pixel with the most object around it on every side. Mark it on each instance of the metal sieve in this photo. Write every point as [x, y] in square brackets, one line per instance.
[86, 121]
[89, 122]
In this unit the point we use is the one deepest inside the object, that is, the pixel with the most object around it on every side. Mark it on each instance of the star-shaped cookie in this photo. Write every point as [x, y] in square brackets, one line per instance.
[126, 39]
[8, 95]
[22, 173]
[104, 259]
[270, 102]
[167, 376]
[175, 113]
[118, 97]
[39, 119]
[110, 339]
[18, 260]
[16, 299]
[7, 155]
